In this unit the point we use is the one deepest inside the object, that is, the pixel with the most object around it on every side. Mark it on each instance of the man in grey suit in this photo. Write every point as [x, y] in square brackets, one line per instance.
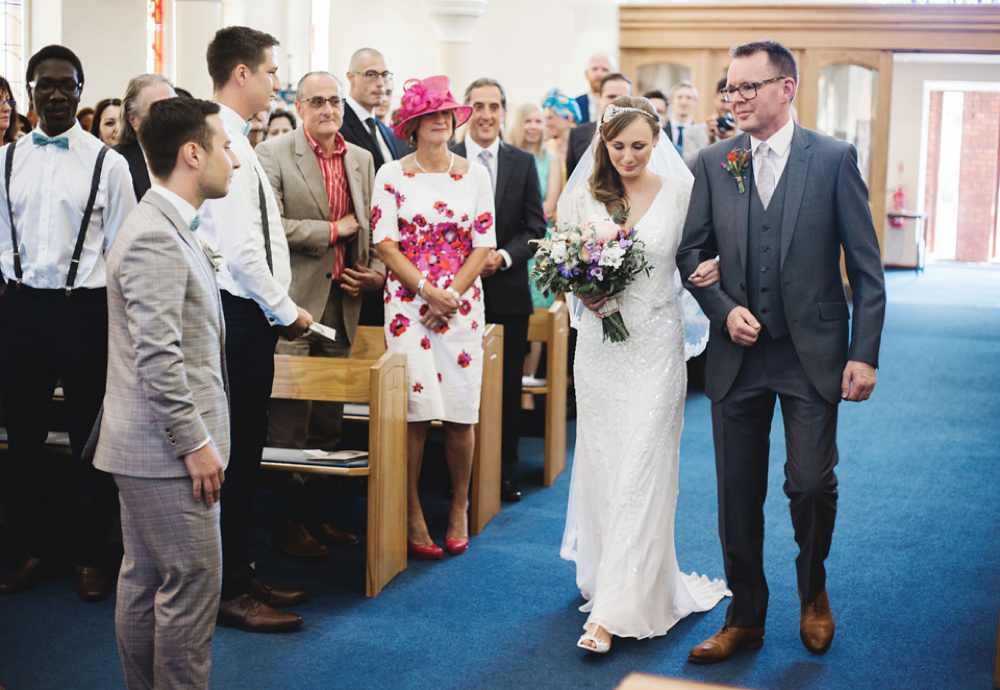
[323, 186]
[780, 329]
[164, 434]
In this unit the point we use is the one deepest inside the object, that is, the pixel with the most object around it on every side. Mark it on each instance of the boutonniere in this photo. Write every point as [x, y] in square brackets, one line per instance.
[736, 165]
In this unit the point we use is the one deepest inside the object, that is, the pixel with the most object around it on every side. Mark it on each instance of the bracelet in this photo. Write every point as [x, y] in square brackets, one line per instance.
[420, 286]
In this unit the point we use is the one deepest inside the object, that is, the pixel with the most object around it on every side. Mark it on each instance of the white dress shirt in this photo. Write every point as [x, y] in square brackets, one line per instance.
[231, 227]
[363, 115]
[780, 144]
[49, 189]
[473, 150]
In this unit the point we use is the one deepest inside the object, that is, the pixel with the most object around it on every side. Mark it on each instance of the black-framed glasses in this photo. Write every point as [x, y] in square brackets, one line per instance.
[69, 87]
[372, 75]
[747, 89]
[318, 101]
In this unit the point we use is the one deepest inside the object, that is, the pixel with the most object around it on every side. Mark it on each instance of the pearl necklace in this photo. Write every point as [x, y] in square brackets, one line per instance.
[451, 163]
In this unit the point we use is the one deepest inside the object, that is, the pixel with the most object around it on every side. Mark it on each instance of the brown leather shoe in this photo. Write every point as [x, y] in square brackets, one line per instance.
[333, 536]
[816, 628]
[294, 539]
[275, 596]
[28, 573]
[91, 583]
[246, 613]
[724, 643]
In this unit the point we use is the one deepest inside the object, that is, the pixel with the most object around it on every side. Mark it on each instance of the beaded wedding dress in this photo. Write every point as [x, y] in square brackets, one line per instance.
[630, 405]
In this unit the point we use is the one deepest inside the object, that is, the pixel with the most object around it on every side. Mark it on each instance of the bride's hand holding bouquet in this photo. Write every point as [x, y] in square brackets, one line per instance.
[595, 261]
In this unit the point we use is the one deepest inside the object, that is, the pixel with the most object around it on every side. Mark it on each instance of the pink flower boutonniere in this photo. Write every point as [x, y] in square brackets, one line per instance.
[736, 165]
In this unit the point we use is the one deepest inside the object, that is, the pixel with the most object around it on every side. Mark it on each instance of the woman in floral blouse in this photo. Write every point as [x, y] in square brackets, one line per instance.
[432, 220]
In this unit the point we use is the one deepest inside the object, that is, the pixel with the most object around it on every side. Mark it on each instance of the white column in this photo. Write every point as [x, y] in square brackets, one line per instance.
[194, 25]
[455, 21]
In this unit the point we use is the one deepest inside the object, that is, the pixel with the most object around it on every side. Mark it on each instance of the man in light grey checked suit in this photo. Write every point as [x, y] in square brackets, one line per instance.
[780, 329]
[164, 434]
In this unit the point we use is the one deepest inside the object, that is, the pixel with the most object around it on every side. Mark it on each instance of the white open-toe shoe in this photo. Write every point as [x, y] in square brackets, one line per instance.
[599, 646]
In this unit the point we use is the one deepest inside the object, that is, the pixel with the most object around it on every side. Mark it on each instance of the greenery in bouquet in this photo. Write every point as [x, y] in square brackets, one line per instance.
[591, 259]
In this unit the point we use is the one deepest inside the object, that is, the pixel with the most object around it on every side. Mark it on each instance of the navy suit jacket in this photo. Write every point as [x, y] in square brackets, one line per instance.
[583, 100]
[825, 210]
[356, 132]
[520, 218]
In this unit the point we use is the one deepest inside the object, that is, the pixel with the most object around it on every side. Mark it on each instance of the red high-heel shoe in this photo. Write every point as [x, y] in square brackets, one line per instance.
[430, 552]
[456, 546]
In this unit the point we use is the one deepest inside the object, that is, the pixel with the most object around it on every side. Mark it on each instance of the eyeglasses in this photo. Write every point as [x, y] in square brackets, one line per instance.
[747, 89]
[11, 103]
[372, 75]
[68, 87]
[318, 101]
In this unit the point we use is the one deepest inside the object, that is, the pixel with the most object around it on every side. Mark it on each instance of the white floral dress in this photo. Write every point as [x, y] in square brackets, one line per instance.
[437, 219]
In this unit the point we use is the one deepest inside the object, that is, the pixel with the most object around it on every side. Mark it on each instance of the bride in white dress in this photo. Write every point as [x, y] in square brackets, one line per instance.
[630, 399]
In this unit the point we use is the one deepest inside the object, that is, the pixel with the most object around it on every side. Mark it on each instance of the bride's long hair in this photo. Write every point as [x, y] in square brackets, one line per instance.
[605, 182]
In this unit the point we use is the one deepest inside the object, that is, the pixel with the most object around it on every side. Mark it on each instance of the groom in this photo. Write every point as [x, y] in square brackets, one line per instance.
[780, 329]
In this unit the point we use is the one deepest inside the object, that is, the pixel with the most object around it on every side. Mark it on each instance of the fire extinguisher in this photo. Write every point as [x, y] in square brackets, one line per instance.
[898, 204]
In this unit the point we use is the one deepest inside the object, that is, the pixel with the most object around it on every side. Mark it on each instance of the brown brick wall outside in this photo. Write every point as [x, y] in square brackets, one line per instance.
[978, 178]
[933, 161]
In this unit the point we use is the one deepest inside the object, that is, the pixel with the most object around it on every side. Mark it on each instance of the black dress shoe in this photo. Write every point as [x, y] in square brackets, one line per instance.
[246, 613]
[28, 573]
[509, 493]
[294, 539]
[91, 583]
[275, 596]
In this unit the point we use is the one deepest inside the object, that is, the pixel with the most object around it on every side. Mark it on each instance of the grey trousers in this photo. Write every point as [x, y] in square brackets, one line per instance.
[168, 588]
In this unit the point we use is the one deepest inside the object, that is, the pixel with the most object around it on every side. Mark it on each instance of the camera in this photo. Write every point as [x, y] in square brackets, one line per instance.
[725, 123]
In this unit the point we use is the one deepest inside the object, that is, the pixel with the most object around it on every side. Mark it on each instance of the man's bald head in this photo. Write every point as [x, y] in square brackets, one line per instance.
[369, 78]
[363, 56]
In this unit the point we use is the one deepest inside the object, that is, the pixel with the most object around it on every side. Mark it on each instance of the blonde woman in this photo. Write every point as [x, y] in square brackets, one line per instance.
[527, 132]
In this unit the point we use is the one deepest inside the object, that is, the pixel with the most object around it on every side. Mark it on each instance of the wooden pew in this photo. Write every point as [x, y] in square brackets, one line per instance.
[550, 325]
[484, 496]
[381, 384]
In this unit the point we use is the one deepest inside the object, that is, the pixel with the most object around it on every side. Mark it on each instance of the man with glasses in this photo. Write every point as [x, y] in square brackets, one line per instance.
[782, 329]
[65, 195]
[370, 80]
[243, 230]
[323, 186]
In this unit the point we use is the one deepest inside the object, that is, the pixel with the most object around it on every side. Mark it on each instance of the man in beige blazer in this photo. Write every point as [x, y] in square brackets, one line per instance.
[164, 433]
[323, 186]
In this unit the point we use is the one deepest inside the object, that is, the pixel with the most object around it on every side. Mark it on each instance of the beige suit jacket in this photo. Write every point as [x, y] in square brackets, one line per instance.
[297, 180]
[166, 387]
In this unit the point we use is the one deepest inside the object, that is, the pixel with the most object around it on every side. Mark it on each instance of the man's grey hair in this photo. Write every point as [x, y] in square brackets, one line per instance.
[300, 90]
[486, 81]
[130, 103]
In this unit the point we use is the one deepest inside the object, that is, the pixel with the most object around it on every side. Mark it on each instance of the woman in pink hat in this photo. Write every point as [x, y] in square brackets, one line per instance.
[432, 221]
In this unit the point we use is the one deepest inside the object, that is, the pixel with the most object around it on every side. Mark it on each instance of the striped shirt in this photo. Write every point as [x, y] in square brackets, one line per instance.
[335, 180]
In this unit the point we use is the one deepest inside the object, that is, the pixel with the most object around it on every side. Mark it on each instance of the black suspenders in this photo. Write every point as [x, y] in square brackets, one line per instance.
[263, 222]
[84, 223]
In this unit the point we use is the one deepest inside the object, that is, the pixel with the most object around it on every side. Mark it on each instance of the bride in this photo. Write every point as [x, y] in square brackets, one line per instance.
[630, 395]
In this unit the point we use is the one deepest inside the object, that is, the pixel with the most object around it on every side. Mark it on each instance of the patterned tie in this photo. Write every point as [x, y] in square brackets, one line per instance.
[764, 177]
[40, 139]
[486, 158]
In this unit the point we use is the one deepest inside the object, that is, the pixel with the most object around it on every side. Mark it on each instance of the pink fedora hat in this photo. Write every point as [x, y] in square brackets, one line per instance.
[430, 95]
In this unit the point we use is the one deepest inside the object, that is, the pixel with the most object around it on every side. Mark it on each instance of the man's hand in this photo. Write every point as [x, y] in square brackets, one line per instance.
[493, 264]
[299, 326]
[594, 302]
[347, 226]
[360, 279]
[706, 274]
[742, 326]
[858, 381]
[205, 469]
[712, 128]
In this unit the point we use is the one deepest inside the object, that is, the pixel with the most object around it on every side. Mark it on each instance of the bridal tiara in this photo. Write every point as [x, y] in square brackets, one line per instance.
[613, 111]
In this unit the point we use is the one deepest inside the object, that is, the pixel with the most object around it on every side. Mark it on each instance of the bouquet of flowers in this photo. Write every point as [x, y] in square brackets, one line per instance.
[590, 259]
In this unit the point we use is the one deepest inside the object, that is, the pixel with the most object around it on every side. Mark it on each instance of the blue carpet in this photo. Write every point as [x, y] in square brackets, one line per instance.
[912, 574]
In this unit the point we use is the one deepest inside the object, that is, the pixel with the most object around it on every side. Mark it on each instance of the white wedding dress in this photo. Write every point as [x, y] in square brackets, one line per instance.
[630, 405]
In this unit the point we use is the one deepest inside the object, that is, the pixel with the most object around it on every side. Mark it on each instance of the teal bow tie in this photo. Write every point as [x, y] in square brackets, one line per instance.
[246, 129]
[195, 222]
[40, 139]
